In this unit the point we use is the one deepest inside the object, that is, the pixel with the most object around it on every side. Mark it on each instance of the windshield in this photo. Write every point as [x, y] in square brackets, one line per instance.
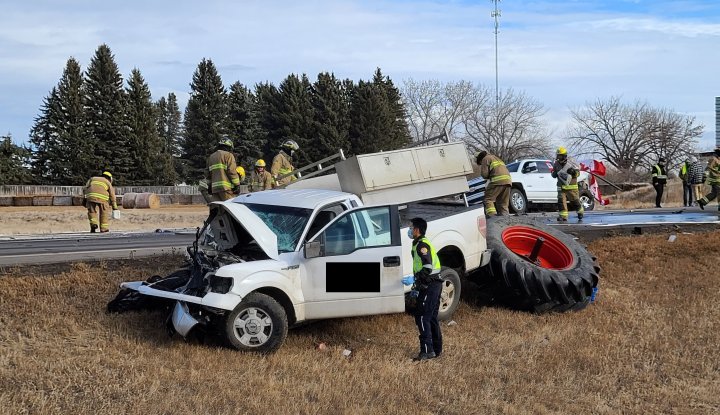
[513, 167]
[286, 222]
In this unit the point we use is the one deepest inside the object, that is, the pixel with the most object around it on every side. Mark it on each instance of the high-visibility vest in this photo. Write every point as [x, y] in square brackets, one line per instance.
[659, 173]
[417, 261]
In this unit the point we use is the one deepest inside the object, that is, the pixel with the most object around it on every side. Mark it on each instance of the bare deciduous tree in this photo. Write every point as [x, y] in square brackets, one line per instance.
[510, 129]
[632, 136]
[468, 112]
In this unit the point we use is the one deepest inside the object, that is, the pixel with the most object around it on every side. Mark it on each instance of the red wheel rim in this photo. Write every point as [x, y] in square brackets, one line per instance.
[553, 253]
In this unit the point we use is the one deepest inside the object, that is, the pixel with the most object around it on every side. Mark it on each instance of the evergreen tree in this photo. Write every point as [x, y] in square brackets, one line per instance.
[267, 103]
[169, 124]
[370, 120]
[295, 116]
[205, 118]
[331, 110]
[243, 125]
[151, 162]
[44, 139]
[76, 160]
[399, 136]
[105, 115]
[13, 162]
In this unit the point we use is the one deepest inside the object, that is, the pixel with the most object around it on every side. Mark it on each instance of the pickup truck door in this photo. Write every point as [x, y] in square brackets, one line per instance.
[539, 184]
[357, 269]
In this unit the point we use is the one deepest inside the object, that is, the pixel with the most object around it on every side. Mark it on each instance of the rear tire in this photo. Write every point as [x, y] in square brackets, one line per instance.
[587, 199]
[563, 281]
[450, 295]
[518, 201]
[258, 324]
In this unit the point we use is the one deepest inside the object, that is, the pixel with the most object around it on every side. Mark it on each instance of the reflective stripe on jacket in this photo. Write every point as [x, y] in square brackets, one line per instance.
[565, 180]
[493, 169]
[417, 261]
[222, 173]
[281, 165]
[100, 190]
[659, 175]
[259, 182]
[713, 171]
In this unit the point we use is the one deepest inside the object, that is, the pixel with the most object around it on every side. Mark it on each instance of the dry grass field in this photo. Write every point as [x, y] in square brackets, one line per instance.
[644, 197]
[56, 219]
[649, 345]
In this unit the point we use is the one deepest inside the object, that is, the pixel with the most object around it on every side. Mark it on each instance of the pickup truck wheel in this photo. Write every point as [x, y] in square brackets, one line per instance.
[450, 294]
[560, 277]
[587, 199]
[258, 324]
[518, 201]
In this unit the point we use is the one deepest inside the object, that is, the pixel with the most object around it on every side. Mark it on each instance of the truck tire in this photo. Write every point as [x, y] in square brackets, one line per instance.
[450, 295]
[257, 324]
[562, 280]
[518, 201]
[587, 199]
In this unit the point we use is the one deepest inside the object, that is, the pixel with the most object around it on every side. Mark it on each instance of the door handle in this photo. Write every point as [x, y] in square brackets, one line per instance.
[391, 261]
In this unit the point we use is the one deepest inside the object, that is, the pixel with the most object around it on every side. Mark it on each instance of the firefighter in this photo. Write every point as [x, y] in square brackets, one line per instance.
[659, 180]
[427, 282]
[222, 172]
[567, 174]
[99, 198]
[712, 172]
[260, 179]
[497, 191]
[282, 163]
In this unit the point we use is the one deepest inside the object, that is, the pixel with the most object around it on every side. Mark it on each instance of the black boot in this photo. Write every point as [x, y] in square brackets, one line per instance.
[424, 356]
[93, 228]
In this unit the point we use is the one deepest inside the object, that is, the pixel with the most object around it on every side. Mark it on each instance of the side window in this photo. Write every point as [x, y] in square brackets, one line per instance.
[373, 230]
[323, 217]
[544, 167]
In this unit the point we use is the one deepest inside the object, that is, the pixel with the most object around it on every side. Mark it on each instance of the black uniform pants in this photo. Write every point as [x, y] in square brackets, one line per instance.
[426, 313]
[659, 188]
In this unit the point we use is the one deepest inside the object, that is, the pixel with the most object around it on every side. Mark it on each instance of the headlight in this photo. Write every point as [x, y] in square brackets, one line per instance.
[220, 285]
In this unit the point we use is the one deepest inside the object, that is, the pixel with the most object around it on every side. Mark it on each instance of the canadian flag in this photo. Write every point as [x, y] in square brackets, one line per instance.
[598, 168]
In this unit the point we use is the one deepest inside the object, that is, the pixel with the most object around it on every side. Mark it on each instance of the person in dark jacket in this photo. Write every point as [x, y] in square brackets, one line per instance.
[684, 175]
[659, 180]
[427, 282]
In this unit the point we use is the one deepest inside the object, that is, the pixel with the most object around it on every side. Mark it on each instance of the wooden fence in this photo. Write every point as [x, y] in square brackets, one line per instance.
[13, 190]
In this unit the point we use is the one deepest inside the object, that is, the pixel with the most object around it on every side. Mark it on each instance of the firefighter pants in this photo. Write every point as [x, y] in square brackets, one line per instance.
[714, 192]
[569, 198]
[426, 318]
[99, 215]
[697, 191]
[497, 198]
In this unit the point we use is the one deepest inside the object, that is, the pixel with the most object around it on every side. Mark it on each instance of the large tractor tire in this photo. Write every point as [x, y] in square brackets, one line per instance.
[560, 277]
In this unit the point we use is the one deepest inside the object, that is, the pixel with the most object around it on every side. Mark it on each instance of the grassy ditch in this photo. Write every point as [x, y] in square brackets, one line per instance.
[649, 345]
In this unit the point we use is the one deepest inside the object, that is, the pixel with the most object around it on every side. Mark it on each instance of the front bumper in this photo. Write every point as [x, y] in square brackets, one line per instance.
[182, 321]
[226, 302]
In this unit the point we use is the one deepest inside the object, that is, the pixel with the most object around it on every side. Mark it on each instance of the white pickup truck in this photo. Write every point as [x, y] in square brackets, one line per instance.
[532, 185]
[269, 260]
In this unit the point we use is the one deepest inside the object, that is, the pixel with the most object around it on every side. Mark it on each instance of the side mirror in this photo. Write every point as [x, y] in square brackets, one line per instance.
[313, 249]
[530, 167]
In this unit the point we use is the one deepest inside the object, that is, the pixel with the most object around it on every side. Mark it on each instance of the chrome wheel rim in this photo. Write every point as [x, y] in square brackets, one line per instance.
[252, 327]
[447, 295]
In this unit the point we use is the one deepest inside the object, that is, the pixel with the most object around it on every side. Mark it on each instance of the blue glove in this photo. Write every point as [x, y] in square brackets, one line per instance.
[414, 293]
[408, 280]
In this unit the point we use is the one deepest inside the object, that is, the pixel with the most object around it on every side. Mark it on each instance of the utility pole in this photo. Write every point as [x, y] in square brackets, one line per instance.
[495, 14]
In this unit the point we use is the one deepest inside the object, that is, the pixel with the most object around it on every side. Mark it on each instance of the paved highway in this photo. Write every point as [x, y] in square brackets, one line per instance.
[47, 249]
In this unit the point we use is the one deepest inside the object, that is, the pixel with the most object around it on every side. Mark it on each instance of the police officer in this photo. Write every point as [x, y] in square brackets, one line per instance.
[659, 180]
[428, 283]
[567, 174]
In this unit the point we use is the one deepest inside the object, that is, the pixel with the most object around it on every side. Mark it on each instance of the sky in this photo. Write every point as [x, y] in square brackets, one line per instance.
[562, 53]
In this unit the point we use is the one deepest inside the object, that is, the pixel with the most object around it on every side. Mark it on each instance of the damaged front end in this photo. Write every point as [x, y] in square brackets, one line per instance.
[194, 295]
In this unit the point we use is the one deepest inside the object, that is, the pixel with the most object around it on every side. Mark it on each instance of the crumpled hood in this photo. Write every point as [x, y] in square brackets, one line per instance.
[265, 238]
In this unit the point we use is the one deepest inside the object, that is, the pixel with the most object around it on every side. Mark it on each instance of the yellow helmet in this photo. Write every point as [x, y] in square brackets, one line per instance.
[561, 151]
[240, 171]
[260, 163]
[107, 174]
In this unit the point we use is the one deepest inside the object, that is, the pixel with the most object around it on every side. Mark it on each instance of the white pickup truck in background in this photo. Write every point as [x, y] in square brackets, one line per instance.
[532, 186]
[269, 260]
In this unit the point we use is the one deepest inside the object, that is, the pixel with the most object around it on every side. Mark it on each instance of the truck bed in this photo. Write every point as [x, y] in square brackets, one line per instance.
[433, 210]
